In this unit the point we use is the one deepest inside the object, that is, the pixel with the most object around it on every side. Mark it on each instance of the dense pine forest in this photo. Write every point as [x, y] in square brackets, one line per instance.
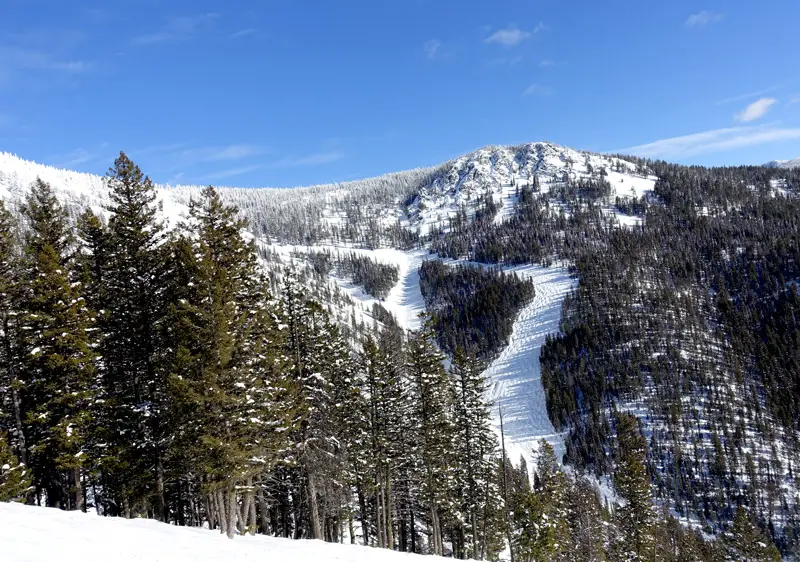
[166, 373]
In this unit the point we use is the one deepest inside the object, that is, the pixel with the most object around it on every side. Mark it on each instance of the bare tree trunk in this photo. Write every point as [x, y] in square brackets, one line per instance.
[388, 511]
[316, 526]
[162, 511]
[263, 511]
[233, 511]
[436, 532]
[222, 513]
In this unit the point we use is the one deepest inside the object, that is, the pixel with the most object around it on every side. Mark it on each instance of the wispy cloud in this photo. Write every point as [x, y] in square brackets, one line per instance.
[505, 61]
[233, 172]
[178, 29]
[703, 18]
[218, 153]
[717, 140]
[537, 90]
[81, 156]
[513, 35]
[16, 58]
[545, 63]
[433, 48]
[795, 98]
[755, 110]
[747, 96]
[316, 159]
[436, 49]
[243, 33]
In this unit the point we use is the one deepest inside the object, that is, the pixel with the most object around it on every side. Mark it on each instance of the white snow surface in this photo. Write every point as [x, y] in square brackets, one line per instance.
[38, 534]
[515, 376]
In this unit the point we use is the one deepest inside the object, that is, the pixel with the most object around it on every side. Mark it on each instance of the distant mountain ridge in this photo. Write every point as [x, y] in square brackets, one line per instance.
[793, 163]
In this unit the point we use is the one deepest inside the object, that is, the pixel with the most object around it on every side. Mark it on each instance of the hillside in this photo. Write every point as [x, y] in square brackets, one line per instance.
[661, 293]
[32, 534]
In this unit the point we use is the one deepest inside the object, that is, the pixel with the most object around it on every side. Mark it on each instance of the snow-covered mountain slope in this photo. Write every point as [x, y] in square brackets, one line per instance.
[793, 163]
[389, 219]
[36, 534]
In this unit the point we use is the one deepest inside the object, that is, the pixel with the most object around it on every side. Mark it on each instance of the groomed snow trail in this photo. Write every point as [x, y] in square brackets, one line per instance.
[39, 534]
[515, 377]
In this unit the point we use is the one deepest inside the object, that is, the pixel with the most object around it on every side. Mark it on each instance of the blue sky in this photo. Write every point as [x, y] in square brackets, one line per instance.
[292, 92]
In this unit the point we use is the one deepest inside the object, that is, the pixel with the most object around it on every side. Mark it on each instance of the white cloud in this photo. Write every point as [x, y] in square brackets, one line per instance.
[512, 35]
[747, 96]
[755, 110]
[537, 90]
[177, 29]
[218, 153]
[243, 33]
[316, 159]
[229, 173]
[703, 18]
[795, 99]
[544, 63]
[717, 140]
[15, 58]
[432, 48]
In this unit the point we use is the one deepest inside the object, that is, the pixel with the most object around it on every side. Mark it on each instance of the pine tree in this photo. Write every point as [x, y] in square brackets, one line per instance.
[133, 285]
[747, 543]
[476, 452]
[59, 363]
[12, 413]
[432, 417]
[234, 409]
[635, 518]
[15, 479]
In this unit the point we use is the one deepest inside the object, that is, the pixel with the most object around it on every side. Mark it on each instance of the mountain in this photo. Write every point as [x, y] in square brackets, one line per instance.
[660, 292]
[794, 163]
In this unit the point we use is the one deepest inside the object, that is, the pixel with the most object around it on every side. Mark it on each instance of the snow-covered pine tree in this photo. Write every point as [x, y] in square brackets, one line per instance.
[234, 408]
[433, 426]
[59, 363]
[635, 518]
[476, 458]
[11, 407]
[134, 286]
[746, 542]
[15, 478]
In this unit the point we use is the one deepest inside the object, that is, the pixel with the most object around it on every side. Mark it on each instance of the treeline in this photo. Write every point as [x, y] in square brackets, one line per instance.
[472, 307]
[375, 277]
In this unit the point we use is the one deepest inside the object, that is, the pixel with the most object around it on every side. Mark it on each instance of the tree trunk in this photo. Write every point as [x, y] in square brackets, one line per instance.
[162, 511]
[388, 511]
[233, 510]
[436, 532]
[313, 505]
[362, 503]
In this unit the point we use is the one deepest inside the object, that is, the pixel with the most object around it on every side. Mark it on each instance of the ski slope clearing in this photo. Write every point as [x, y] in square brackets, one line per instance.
[38, 534]
[515, 377]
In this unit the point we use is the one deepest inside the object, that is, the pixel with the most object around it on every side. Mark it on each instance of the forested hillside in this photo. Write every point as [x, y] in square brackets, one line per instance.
[166, 353]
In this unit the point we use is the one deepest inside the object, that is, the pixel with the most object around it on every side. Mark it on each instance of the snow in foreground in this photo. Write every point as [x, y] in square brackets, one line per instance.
[38, 534]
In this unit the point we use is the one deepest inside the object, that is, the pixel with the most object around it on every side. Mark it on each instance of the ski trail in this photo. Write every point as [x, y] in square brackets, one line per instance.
[405, 300]
[515, 376]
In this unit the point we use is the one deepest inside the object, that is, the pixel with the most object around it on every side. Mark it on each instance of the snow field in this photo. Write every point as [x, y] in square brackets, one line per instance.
[38, 534]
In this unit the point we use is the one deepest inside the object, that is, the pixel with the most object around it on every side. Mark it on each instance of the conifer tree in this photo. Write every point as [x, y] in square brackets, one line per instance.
[635, 518]
[434, 427]
[748, 543]
[133, 283]
[15, 479]
[11, 408]
[476, 448]
[234, 410]
[59, 362]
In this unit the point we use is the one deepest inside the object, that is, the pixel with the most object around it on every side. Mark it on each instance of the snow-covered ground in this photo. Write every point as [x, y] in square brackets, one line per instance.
[38, 534]
[515, 377]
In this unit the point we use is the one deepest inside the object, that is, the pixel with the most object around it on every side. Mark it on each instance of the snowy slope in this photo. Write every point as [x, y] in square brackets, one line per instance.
[793, 163]
[74, 536]
[495, 171]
